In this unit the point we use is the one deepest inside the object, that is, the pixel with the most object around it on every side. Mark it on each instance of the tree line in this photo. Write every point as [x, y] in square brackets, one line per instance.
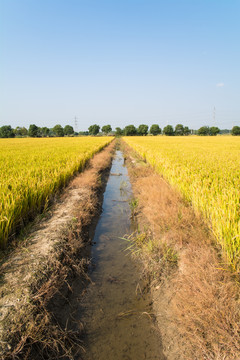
[35, 131]
[130, 130]
[143, 130]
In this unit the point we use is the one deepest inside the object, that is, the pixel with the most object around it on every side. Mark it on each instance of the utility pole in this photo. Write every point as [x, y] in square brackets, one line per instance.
[75, 124]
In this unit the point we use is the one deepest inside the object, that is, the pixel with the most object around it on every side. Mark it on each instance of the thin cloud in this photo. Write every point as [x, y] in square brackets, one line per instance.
[220, 84]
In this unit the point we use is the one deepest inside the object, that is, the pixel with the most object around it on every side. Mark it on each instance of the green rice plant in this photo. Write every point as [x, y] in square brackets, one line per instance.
[133, 203]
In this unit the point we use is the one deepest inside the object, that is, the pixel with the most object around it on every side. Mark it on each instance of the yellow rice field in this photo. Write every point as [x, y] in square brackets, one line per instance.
[32, 170]
[206, 170]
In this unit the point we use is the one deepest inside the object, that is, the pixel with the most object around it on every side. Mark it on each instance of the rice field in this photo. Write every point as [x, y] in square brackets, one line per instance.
[32, 170]
[206, 170]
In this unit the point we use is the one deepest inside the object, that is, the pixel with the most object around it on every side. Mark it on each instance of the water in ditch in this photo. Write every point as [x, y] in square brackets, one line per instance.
[115, 311]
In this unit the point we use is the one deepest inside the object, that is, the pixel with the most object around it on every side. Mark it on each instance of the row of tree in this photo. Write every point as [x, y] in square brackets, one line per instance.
[35, 131]
[206, 131]
[168, 130]
[129, 130]
[143, 130]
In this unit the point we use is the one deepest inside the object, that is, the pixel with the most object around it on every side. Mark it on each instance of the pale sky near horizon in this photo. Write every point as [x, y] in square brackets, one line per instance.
[120, 62]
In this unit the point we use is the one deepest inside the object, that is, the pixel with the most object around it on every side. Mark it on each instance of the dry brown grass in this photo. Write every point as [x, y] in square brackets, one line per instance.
[197, 301]
[91, 177]
[206, 304]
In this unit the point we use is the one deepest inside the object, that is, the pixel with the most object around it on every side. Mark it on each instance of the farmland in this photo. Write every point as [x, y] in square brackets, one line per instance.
[171, 244]
[32, 170]
[207, 173]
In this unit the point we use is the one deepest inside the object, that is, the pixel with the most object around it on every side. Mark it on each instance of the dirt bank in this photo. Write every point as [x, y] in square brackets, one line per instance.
[195, 296]
[36, 277]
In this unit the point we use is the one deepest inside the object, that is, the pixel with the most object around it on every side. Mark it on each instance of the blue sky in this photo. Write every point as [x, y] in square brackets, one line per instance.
[120, 62]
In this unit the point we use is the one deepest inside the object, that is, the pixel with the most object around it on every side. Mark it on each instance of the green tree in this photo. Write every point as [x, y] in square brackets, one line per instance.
[51, 133]
[68, 130]
[155, 129]
[39, 132]
[24, 131]
[118, 131]
[168, 130]
[33, 130]
[58, 130]
[20, 131]
[106, 129]
[142, 130]
[130, 130]
[6, 131]
[45, 131]
[179, 130]
[236, 131]
[203, 131]
[94, 129]
[17, 131]
[186, 131]
[213, 131]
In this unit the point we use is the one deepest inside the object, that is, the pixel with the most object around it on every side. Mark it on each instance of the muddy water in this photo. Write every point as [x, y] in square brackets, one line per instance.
[115, 312]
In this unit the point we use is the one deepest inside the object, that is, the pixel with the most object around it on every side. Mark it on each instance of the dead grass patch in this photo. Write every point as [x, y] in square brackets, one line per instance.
[206, 304]
[196, 297]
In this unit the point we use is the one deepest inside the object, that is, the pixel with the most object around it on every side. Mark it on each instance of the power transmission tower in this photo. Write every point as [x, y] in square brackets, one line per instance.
[75, 124]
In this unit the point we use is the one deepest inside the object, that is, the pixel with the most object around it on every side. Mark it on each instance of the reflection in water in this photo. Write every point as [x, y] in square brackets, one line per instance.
[116, 315]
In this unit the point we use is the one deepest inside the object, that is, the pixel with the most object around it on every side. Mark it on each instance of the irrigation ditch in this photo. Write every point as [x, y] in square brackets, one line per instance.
[116, 308]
